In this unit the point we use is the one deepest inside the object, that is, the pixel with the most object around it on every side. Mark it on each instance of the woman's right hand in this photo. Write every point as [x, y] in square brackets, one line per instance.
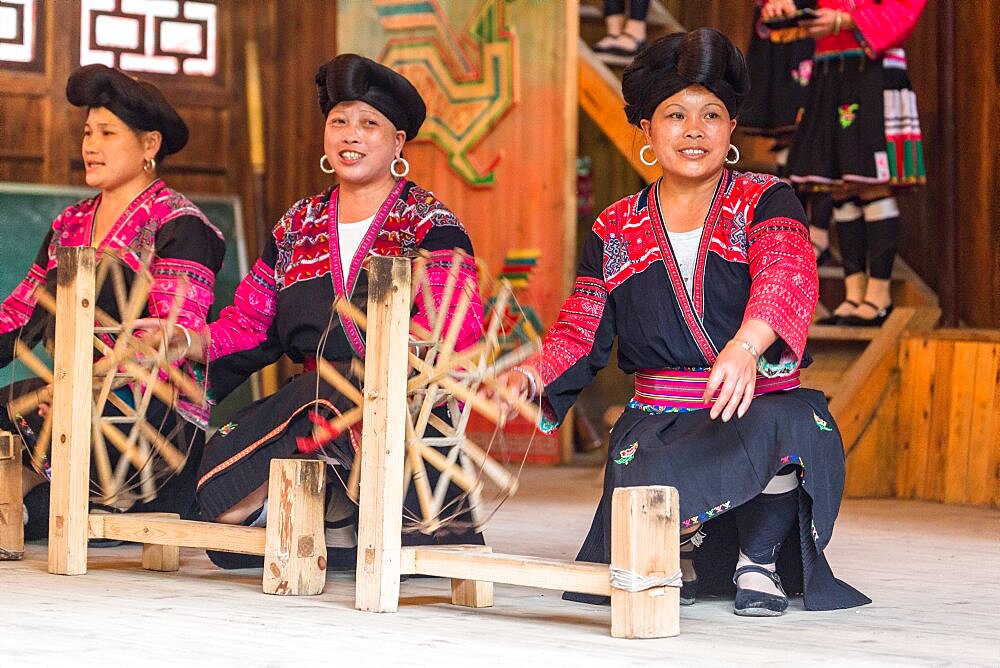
[182, 342]
[778, 8]
[513, 384]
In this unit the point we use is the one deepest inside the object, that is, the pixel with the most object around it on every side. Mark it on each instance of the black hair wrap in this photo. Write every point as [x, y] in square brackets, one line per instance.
[352, 77]
[702, 57]
[139, 104]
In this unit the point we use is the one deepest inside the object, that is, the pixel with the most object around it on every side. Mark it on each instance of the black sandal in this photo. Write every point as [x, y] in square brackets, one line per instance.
[607, 48]
[753, 603]
[833, 318]
[881, 313]
[689, 588]
[637, 46]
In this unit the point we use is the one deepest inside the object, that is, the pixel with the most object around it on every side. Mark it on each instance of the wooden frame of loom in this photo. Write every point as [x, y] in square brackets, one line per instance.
[292, 544]
[645, 525]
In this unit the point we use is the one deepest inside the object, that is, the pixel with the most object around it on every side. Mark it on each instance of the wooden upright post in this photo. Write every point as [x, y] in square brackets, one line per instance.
[11, 498]
[645, 540]
[294, 548]
[71, 406]
[381, 518]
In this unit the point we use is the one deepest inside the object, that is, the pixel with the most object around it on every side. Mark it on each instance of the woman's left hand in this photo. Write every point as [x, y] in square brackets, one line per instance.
[733, 376]
[827, 22]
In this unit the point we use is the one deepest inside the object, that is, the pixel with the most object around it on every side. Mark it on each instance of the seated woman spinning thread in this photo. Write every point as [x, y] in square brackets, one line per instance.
[316, 253]
[707, 280]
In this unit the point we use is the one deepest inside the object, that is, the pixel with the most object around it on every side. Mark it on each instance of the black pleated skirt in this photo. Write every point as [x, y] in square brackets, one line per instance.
[718, 466]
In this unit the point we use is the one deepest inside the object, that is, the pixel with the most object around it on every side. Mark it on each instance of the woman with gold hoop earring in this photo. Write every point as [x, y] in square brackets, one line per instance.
[316, 254]
[706, 279]
[129, 128]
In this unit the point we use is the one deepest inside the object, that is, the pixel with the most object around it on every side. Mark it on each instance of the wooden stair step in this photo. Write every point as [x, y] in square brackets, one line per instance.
[841, 333]
[658, 16]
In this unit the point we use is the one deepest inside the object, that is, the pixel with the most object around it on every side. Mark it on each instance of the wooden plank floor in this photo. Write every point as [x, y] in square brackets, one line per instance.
[933, 571]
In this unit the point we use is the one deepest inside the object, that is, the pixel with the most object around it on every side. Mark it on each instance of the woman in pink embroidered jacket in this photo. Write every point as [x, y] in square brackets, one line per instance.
[707, 282]
[130, 127]
[315, 254]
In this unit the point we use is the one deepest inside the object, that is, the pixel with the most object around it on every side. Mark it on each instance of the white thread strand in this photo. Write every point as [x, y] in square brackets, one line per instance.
[630, 581]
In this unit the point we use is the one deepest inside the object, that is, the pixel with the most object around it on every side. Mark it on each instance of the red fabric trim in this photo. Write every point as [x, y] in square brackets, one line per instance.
[571, 338]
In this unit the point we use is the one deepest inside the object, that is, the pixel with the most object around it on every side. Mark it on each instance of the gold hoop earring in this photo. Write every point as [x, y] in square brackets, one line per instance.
[148, 165]
[732, 147]
[328, 169]
[642, 156]
[397, 161]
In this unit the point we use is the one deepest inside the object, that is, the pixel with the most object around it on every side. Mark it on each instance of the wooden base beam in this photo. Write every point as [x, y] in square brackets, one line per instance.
[162, 529]
[11, 498]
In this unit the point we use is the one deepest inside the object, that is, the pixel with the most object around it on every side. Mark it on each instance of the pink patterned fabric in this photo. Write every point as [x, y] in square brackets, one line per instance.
[304, 247]
[134, 239]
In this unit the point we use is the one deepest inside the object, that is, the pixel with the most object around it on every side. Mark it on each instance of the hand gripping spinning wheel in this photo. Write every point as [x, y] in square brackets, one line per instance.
[442, 392]
[137, 443]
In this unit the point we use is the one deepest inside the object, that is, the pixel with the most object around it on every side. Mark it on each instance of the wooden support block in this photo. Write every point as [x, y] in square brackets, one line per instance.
[71, 406]
[163, 558]
[162, 529]
[11, 500]
[380, 521]
[645, 540]
[295, 549]
[472, 593]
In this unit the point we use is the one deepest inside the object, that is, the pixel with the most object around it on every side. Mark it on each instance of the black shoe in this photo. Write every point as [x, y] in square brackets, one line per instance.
[753, 603]
[606, 44]
[637, 46]
[689, 591]
[881, 313]
[824, 258]
[833, 318]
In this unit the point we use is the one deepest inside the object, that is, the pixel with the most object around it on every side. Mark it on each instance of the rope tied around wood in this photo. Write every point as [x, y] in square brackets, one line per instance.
[630, 581]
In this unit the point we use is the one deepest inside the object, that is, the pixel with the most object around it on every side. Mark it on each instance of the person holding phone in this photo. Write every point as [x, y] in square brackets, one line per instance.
[859, 138]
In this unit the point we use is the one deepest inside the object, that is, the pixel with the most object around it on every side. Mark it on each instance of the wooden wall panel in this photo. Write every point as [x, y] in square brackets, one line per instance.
[949, 418]
[532, 146]
[976, 136]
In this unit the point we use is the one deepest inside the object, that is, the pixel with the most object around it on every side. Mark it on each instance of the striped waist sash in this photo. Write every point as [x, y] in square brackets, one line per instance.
[682, 389]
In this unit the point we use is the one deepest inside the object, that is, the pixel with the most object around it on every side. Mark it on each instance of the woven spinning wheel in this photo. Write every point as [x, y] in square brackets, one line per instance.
[131, 457]
[442, 376]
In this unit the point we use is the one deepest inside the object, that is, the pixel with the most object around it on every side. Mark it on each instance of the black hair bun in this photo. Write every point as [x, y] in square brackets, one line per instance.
[139, 104]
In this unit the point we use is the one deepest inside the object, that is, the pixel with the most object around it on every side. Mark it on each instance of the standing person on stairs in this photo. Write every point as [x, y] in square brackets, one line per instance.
[626, 35]
[860, 138]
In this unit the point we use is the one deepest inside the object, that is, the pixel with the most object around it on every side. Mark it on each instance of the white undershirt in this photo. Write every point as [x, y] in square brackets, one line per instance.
[350, 236]
[685, 245]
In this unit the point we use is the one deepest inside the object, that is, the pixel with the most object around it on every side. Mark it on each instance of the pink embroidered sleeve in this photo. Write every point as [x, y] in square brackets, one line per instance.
[887, 24]
[784, 285]
[244, 325]
[438, 267]
[16, 310]
[197, 280]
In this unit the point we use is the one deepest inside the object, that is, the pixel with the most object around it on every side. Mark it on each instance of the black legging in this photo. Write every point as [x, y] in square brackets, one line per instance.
[637, 8]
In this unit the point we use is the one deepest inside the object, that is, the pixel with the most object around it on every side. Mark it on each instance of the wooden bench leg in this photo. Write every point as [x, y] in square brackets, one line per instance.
[645, 535]
[295, 549]
[11, 498]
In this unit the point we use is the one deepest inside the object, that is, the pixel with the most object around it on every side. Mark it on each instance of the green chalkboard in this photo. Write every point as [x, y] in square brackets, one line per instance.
[26, 214]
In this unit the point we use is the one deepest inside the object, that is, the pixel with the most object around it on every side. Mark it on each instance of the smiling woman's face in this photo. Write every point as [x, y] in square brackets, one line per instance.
[689, 133]
[360, 142]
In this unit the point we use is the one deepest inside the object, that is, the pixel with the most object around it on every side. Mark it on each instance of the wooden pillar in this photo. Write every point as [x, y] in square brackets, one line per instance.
[645, 540]
[71, 407]
[11, 498]
[294, 548]
[382, 441]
